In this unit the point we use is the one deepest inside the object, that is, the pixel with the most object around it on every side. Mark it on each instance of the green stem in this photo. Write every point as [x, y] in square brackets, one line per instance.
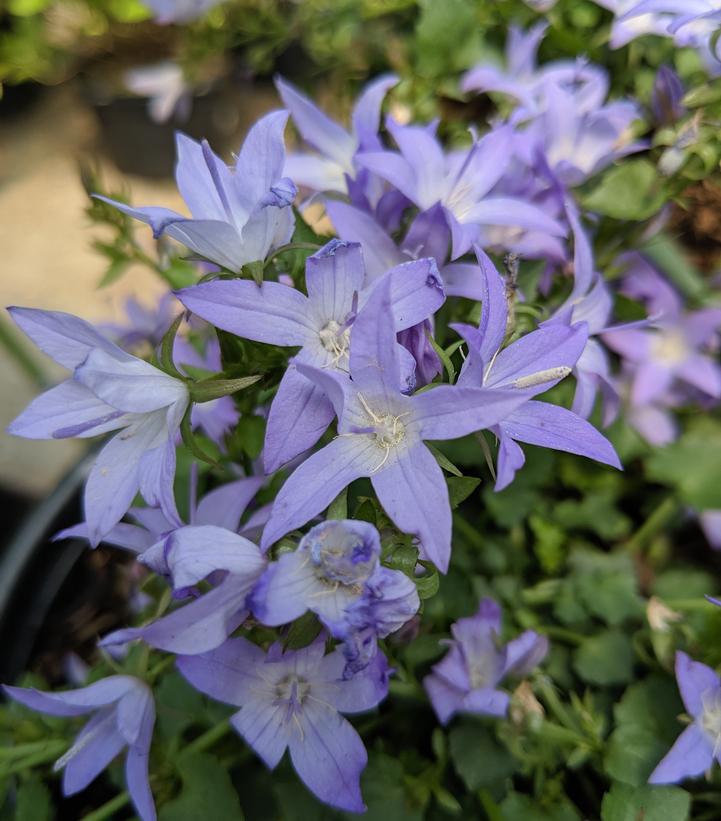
[208, 738]
[291, 246]
[109, 809]
[50, 752]
[554, 704]
[653, 525]
[160, 667]
[23, 749]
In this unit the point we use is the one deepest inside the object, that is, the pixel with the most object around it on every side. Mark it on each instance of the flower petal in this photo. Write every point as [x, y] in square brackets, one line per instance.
[691, 755]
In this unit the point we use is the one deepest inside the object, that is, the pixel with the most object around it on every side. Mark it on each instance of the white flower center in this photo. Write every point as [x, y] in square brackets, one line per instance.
[389, 430]
[335, 339]
[293, 690]
[670, 347]
[711, 718]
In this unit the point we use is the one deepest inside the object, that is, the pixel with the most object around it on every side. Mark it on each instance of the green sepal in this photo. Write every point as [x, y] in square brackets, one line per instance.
[166, 348]
[208, 389]
[191, 442]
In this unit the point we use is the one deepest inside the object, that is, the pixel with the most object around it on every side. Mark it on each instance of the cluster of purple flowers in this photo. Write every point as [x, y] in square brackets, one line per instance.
[412, 219]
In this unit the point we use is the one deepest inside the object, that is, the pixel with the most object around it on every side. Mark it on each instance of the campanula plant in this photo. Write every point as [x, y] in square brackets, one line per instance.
[413, 372]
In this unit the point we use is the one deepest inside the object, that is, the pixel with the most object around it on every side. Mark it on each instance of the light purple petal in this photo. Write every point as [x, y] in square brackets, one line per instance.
[695, 680]
[463, 279]
[538, 360]
[197, 627]
[260, 161]
[136, 763]
[374, 363]
[73, 702]
[156, 217]
[367, 110]
[314, 485]
[286, 589]
[445, 698]
[329, 756]
[550, 426]
[512, 212]
[447, 412]
[394, 169]
[510, 459]
[299, 415]
[65, 338]
[214, 240]
[67, 410]
[228, 673]
[416, 292]
[316, 127]
[129, 385]
[703, 373]
[224, 505]
[413, 492]
[361, 692]
[127, 536]
[192, 553]
[494, 310]
[264, 726]
[353, 225]
[524, 653]
[691, 755]
[195, 182]
[486, 701]
[95, 747]
[272, 313]
[333, 275]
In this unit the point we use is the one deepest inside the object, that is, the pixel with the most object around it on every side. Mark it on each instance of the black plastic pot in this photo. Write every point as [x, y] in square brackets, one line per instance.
[138, 145]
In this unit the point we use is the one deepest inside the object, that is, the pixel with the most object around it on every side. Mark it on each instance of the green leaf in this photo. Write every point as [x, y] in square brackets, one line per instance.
[629, 191]
[429, 582]
[338, 508]
[251, 434]
[382, 784]
[648, 803]
[34, 802]
[478, 758]
[605, 659]
[646, 726]
[208, 389]
[518, 807]
[207, 791]
[179, 705]
[606, 585]
[691, 465]
[302, 632]
[460, 488]
[444, 461]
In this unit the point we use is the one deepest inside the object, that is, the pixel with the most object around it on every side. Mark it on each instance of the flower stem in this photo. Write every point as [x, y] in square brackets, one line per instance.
[50, 751]
[653, 525]
[109, 809]
[208, 738]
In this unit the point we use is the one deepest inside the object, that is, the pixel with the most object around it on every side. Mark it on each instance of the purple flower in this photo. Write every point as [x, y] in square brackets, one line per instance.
[460, 182]
[530, 365]
[109, 390]
[427, 236]
[524, 81]
[222, 507]
[186, 557]
[321, 324]
[124, 715]
[466, 679]
[666, 97]
[334, 167]
[179, 11]
[626, 28]
[294, 701]
[698, 745]
[381, 434]
[165, 85]
[335, 570]
[577, 142]
[239, 214]
[671, 351]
